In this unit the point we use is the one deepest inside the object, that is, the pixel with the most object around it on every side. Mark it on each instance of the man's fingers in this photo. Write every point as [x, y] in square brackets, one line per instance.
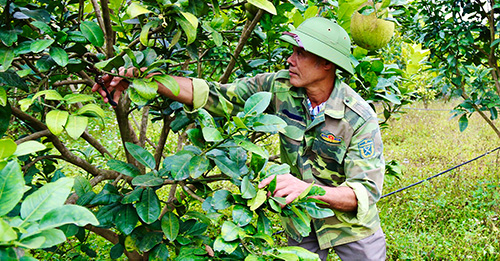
[266, 181]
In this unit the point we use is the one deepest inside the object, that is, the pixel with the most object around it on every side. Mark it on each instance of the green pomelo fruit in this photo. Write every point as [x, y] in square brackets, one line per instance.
[370, 32]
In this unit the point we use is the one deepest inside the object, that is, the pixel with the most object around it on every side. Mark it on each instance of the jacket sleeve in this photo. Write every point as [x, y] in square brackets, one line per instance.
[211, 95]
[364, 169]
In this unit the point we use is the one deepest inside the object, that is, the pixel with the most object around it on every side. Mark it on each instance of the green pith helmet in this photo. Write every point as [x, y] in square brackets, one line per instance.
[324, 38]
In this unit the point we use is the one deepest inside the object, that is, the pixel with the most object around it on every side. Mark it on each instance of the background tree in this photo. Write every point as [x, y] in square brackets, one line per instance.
[462, 37]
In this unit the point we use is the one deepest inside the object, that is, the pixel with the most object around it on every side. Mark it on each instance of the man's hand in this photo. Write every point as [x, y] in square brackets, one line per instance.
[287, 186]
[114, 84]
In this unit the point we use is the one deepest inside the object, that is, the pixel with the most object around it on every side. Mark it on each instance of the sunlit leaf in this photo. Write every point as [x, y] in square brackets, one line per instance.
[56, 120]
[29, 147]
[59, 56]
[76, 125]
[265, 5]
[48, 197]
[11, 186]
[93, 33]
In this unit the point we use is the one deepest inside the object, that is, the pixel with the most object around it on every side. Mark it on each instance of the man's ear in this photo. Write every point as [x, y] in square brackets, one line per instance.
[327, 65]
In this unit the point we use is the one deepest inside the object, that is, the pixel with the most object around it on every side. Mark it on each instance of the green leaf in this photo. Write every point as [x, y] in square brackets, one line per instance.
[147, 181]
[251, 147]
[293, 132]
[248, 190]
[305, 192]
[76, 125]
[178, 165]
[123, 167]
[77, 97]
[170, 225]
[59, 56]
[40, 45]
[146, 88]
[52, 237]
[48, 197]
[11, 186]
[135, 9]
[126, 219]
[141, 155]
[268, 123]
[93, 33]
[197, 166]
[463, 122]
[134, 196]
[7, 148]
[68, 214]
[242, 216]
[29, 147]
[56, 120]
[228, 166]
[169, 82]
[221, 199]
[116, 251]
[3, 97]
[258, 200]
[300, 252]
[6, 58]
[229, 231]
[211, 134]
[148, 208]
[49, 95]
[6, 232]
[144, 37]
[318, 212]
[187, 27]
[43, 26]
[221, 245]
[264, 5]
[82, 186]
[257, 103]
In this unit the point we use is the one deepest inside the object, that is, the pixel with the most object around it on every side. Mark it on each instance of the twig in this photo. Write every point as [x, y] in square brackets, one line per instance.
[33, 136]
[192, 194]
[162, 140]
[110, 34]
[29, 165]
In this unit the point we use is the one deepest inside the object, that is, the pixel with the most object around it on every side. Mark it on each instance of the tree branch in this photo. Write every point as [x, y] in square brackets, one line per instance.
[108, 28]
[33, 136]
[144, 125]
[162, 140]
[66, 154]
[245, 34]
[113, 238]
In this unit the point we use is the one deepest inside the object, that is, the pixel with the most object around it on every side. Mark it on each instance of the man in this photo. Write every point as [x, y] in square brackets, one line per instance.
[339, 147]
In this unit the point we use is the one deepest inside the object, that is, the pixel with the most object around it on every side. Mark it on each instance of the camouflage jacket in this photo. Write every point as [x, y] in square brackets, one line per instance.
[342, 146]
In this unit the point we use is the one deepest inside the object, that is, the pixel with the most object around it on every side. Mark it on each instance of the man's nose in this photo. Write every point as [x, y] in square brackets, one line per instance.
[291, 59]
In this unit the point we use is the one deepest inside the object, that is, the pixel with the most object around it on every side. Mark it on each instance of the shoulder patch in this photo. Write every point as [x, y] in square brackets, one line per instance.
[366, 149]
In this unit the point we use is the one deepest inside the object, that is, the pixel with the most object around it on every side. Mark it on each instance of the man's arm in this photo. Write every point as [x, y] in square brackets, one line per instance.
[119, 85]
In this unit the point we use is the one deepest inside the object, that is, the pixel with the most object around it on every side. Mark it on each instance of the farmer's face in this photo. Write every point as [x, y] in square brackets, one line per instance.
[305, 68]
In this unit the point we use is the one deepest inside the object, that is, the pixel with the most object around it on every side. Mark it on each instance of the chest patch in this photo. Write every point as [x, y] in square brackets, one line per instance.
[330, 138]
[366, 149]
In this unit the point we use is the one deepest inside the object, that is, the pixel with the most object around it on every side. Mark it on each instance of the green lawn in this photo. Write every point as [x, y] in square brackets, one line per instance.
[454, 216]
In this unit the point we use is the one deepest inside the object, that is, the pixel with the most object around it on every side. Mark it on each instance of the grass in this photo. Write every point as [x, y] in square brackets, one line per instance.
[454, 216]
